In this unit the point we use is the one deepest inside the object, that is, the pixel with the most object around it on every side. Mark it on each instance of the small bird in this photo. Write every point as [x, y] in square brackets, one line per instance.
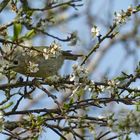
[39, 62]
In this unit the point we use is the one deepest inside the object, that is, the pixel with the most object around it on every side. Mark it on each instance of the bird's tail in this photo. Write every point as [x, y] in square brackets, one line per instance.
[68, 55]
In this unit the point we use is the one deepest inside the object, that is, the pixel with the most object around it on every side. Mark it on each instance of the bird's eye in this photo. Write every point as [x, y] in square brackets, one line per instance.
[15, 62]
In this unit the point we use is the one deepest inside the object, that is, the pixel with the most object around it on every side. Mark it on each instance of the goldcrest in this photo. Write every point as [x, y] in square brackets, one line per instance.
[37, 61]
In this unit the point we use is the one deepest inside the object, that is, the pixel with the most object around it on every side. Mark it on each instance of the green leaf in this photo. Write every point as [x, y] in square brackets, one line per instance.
[17, 30]
[66, 106]
[30, 34]
[71, 101]
[127, 138]
[138, 106]
[6, 106]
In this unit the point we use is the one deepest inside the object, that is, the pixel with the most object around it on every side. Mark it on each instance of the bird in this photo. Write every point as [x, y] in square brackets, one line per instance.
[40, 62]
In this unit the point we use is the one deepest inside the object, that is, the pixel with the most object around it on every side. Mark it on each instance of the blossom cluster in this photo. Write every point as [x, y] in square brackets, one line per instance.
[122, 16]
[33, 67]
[134, 122]
[95, 31]
[53, 51]
[128, 121]
[81, 81]
[29, 52]
[79, 74]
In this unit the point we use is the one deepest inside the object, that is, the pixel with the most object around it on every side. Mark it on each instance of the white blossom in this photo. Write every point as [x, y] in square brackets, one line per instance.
[33, 67]
[53, 51]
[102, 88]
[95, 31]
[120, 17]
[88, 88]
[92, 82]
[78, 73]
[111, 83]
[101, 117]
[30, 52]
[45, 54]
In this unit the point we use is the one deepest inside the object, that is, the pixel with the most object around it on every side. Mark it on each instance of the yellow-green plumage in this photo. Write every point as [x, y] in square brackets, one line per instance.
[45, 67]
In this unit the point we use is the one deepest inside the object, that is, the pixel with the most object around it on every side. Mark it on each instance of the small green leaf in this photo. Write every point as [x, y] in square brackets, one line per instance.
[6, 106]
[71, 101]
[138, 106]
[127, 137]
[30, 34]
[66, 106]
[17, 30]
